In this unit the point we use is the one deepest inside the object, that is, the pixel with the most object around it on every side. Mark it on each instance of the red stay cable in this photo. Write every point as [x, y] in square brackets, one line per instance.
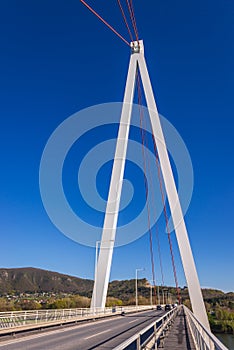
[133, 19]
[125, 20]
[159, 253]
[166, 218]
[161, 190]
[105, 22]
[145, 182]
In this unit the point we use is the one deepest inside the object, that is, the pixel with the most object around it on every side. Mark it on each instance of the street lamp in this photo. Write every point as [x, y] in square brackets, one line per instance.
[165, 296]
[169, 297]
[158, 295]
[136, 285]
[152, 283]
[151, 296]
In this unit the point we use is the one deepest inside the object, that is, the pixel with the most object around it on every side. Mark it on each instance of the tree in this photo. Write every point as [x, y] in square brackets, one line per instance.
[111, 301]
[219, 314]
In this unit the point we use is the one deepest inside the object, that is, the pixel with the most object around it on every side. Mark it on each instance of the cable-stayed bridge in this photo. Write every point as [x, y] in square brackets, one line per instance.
[132, 327]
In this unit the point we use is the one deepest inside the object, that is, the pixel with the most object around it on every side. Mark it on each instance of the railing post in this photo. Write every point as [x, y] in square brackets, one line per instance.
[155, 335]
[11, 318]
[139, 342]
[25, 316]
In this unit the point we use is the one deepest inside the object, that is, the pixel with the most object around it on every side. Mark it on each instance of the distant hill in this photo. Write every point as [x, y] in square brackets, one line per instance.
[34, 280]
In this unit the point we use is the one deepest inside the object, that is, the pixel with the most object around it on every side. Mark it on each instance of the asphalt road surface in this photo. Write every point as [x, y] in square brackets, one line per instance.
[102, 334]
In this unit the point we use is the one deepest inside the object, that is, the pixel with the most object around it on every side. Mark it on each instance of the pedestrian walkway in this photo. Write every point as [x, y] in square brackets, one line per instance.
[178, 336]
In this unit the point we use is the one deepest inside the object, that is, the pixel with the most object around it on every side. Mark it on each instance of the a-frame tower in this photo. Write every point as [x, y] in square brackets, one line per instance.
[102, 273]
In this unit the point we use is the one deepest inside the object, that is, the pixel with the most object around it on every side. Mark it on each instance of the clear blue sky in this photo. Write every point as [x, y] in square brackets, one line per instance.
[56, 59]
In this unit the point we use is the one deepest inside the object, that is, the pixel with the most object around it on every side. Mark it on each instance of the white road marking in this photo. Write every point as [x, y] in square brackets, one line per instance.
[94, 335]
[31, 337]
[35, 336]
[133, 321]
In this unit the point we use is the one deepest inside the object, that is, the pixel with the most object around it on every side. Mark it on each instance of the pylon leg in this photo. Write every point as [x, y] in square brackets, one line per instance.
[174, 202]
[112, 208]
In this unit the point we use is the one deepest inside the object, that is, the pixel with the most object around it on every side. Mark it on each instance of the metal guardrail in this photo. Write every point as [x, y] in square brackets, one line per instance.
[24, 320]
[203, 338]
[150, 335]
[14, 321]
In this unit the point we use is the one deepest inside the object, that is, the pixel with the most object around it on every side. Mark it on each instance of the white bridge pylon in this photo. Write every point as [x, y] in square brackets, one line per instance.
[103, 266]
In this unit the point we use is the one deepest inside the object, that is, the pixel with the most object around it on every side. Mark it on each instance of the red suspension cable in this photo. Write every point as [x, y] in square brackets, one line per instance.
[153, 205]
[159, 253]
[133, 19]
[144, 140]
[162, 194]
[105, 22]
[166, 217]
[153, 197]
[125, 20]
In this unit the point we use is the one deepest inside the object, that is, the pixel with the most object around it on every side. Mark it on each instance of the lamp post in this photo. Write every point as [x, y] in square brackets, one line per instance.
[151, 296]
[158, 295]
[152, 283]
[165, 296]
[169, 298]
[136, 286]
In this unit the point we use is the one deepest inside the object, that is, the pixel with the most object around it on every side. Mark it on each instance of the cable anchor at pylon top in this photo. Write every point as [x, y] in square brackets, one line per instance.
[137, 46]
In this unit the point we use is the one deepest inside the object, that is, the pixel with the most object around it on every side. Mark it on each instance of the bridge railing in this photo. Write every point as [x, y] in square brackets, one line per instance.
[32, 318]
[203, 338]
[150, 335]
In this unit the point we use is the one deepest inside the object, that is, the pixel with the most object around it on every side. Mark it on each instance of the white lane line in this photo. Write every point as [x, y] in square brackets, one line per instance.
[48, 333]
[96, 334]
[132, 321]
[30, 337]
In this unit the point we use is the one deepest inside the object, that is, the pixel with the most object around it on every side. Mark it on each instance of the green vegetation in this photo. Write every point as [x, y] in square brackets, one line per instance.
[42, 301]
[222, 321]
[220, 309]
[29, 288]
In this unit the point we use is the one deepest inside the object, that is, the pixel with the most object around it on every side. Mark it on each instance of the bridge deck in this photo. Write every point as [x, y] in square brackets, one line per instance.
[179, 336]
